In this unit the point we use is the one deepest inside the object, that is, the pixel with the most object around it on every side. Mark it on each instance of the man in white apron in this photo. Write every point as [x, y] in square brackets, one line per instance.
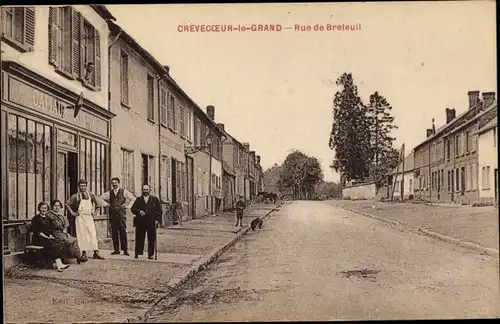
[82, 206]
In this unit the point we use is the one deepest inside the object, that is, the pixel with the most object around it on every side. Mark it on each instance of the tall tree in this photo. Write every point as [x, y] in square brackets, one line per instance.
[381, 126]
[272, 179]
[350, 135]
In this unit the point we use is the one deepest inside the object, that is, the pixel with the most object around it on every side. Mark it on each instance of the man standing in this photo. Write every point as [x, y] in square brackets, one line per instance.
[119, 200]
[147, 211]
[82, 207]
[240, 207]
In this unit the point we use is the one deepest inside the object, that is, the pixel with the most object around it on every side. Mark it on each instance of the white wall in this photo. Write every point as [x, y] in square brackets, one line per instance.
[487, 156]
[38, 59]
[367, 191]
[409, 185]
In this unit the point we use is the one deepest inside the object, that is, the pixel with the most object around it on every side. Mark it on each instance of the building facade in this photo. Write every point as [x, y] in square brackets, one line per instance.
[402, 178]
[488, 161]
[55, 115]
[446, 163]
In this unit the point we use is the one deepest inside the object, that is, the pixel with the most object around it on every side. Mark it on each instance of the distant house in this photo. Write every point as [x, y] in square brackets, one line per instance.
[488, 161]
[403, 175]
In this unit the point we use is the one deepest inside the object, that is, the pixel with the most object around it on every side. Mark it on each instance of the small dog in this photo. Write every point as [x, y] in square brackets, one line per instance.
[256, 222]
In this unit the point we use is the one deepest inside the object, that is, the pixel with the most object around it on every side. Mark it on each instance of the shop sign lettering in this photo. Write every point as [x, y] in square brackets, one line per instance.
[30, 97]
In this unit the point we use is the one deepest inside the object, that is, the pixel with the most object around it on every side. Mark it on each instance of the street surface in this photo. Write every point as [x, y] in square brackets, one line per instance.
[316, 261]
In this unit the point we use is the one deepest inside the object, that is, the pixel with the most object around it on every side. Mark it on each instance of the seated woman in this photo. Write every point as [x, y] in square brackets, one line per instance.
[43, 234]
[70, 248]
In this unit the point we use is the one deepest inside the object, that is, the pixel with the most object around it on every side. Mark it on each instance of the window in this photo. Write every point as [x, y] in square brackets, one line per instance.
[448, 182]
[182, 118]
[462, 179]
[474, 177]
[457, 145]
[151, 95]
[203, 134]
[148, 170]
[171, 113]
[196, 131]
[164, 177]
[189, 123]
[93, 159]
[163, 106]
[19, 27]
[74, 46]
[469, 178]
[124, 78]
[467, 142]
[457, 179]
[452, 178]
[29, 166]
[486, 178]
[473, 143]
[128, 179]
[448, 148]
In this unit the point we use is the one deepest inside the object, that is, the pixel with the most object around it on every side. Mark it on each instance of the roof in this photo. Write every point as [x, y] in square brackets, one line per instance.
[447, 126]
[489, 125]
[409, 164]
[103, 11]
[160, 69]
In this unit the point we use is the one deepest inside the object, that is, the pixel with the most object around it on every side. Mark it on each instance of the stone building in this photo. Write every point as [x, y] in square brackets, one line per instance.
[446, 162]
[55, 114]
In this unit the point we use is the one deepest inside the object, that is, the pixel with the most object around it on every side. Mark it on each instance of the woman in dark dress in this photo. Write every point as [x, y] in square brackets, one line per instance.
[61, 235]
[43, 234]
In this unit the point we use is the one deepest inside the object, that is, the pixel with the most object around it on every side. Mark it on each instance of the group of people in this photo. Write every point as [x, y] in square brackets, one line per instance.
[50, 226]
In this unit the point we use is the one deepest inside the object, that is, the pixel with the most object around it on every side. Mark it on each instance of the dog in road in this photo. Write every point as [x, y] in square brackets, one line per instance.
[256, 222]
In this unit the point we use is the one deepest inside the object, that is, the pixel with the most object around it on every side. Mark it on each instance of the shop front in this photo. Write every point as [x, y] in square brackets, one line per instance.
[46, 149]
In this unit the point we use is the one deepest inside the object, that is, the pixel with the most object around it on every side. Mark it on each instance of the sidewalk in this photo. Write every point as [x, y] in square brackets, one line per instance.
[121, 287]
[478, 225]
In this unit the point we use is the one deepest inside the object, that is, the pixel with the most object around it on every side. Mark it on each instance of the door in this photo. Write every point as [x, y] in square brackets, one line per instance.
[67, 180]
[190, 187]
[496, 185]
[174, 180]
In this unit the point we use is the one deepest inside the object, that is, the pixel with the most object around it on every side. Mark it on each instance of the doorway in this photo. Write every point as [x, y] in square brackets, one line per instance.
[190, 187]
[67, 181]
[174, 180]
[496, 185]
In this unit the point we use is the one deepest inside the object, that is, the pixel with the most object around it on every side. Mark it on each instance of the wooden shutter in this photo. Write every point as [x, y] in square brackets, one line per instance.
[53, 31]
[76, 35]
[97, 63]
[82, 48]
[67, 41]
[29, 25]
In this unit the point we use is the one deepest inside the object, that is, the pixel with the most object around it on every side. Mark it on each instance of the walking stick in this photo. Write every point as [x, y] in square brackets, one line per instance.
[156, 241]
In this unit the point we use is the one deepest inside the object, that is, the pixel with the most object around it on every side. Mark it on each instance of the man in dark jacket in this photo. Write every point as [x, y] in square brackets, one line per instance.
[240, 207]
[147, 211]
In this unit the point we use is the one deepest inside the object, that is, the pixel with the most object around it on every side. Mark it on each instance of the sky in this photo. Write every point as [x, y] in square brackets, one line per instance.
[275, 89]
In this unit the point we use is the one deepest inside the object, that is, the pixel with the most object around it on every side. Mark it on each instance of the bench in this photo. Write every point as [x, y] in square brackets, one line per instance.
[34, 253]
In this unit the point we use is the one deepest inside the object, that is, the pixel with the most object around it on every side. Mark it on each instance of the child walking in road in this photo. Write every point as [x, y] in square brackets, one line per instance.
[240, 207]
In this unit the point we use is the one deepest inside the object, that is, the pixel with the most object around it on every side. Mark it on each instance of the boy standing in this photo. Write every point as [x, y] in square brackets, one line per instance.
[240, 207]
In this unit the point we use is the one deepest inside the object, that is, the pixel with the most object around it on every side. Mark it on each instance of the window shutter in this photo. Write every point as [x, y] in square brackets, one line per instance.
[67, 65]
[97, 71]
[53, 31]
[82, 48]
[75, 46]
[29, 20]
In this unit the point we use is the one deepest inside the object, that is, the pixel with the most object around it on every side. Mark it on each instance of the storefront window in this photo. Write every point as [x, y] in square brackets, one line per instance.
[66, 138]
[29, 163]
[93, 165]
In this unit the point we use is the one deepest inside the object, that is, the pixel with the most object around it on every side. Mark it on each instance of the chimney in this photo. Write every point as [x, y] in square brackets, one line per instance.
[488, 99]
[473, 99]
[246, 146]
[450, 115]
[429, 132]
[258, 159]
[221, 126]
[433, 127]
[211, 112]
[167, 68]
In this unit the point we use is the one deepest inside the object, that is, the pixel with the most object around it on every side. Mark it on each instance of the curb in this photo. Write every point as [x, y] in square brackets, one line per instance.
[177, 281]
[437, 236]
